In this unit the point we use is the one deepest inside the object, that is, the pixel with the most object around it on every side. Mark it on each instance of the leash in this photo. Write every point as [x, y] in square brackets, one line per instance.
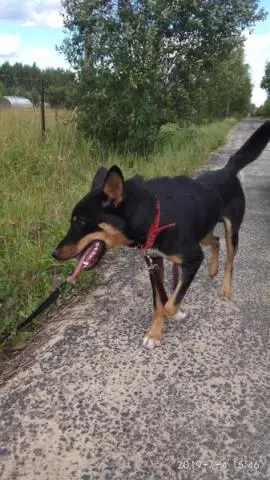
[154, 230]
[43, 306]
[154, 273]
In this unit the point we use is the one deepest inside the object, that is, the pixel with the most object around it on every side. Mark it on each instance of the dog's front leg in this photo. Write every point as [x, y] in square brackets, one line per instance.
[190, 265]
[175, 274]
[154, 335]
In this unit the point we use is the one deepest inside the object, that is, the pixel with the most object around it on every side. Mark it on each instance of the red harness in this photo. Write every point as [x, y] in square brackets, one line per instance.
[155, 229]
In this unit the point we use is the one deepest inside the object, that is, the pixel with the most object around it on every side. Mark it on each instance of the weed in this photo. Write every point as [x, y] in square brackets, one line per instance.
[40, 183]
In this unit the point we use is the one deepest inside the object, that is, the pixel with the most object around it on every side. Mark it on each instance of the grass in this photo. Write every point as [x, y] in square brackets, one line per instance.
[41, 182]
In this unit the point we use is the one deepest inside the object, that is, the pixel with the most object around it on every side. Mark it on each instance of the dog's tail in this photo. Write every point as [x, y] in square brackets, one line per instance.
[251, 149]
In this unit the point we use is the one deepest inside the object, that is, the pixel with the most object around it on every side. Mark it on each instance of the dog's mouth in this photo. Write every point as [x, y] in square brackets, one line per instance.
[89, 257]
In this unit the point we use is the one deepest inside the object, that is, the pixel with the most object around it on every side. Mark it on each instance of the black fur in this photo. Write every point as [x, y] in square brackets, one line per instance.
[196, 206]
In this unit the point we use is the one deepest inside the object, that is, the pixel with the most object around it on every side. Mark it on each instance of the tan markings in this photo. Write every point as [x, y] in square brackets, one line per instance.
[106, 227]
[207, 240]
[113, 187]
[114, 236]
[213, 242]
[175, 258]
[225, 291]
[213, 263]
[170, 308]
[156, 329]
[66, 252]
[110, 236]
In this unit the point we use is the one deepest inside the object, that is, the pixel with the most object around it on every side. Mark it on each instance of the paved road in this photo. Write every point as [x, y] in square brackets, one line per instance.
[95, 404]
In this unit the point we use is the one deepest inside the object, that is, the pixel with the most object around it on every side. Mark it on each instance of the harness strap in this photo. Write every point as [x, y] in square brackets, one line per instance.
[155, 229]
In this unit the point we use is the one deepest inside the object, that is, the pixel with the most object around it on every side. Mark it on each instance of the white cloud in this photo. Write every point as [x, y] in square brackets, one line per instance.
[44, 57]
[9, 45]
[52, 19]
[32, 12]
[257, 52]
[13, 50]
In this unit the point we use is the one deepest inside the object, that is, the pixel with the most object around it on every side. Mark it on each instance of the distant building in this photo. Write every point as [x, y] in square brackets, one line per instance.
[18, 102]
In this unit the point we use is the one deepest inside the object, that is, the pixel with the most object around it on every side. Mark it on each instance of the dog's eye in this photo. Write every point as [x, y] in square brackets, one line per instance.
[79, 221]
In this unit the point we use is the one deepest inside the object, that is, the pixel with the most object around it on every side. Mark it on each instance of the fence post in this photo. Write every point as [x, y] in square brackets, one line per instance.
[42, 112]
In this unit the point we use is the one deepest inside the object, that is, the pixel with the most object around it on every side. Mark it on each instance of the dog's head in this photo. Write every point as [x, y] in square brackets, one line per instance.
[103, 218]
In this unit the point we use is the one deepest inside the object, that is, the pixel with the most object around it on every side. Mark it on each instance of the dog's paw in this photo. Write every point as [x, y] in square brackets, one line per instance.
[225, 293]
[151, 342]
[180, 315]
[213, 270]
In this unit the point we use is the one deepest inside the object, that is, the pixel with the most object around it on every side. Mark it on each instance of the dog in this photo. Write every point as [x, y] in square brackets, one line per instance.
[169, 217]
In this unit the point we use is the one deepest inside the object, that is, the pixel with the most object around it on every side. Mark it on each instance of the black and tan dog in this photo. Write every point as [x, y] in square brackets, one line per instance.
[118, 212]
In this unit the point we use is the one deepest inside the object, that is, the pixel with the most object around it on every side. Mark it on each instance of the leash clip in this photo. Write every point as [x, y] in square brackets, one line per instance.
[149, 260]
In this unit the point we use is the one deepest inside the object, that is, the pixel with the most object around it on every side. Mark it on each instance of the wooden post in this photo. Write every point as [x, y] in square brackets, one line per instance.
[42, 112]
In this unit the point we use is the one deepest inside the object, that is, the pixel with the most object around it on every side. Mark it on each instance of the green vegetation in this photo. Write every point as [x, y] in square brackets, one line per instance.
[264, 110]
[155, 84]
[143, 64]
[265, 83]
[25, 81]
[41, 183]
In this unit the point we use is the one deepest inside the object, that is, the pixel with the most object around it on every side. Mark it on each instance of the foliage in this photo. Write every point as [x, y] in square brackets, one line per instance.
[225, 91]
[25, 80]
[264, 110]
[2, 90]
[56, 96]
[41, 182]
[143, 63]
[265, 83]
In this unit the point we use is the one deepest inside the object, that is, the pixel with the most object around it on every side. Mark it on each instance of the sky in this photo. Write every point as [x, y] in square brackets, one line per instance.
[30, 30]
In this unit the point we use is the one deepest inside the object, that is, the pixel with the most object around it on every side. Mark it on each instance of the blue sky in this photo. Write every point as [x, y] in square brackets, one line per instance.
[30, 29]
[257, 52]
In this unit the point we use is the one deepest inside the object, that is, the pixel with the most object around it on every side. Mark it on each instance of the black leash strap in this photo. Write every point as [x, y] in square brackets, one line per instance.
[153, 271]
[43, 306]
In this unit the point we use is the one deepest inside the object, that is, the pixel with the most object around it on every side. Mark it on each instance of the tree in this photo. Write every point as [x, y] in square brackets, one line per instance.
[25, 80]
[2, 91]
[225, 90]
[265, 83]
[138, 60]
[56, 96]
[34, 96]
[264, 110]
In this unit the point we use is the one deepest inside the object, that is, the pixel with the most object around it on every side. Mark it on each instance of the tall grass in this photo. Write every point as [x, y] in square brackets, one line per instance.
[41, 182]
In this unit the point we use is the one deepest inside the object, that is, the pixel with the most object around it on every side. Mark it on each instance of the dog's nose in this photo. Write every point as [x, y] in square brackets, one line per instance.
[55, 253]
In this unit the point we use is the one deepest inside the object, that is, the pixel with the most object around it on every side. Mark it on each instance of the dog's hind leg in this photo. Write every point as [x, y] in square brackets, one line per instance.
[231, 239]
[213, 242]
[155, 333]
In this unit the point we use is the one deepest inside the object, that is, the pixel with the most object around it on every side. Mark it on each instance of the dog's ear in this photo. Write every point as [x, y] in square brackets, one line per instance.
[99, 178]
[113, 186]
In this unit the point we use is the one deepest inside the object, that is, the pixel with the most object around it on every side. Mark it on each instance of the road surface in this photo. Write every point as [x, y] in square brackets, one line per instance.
[87, 401]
